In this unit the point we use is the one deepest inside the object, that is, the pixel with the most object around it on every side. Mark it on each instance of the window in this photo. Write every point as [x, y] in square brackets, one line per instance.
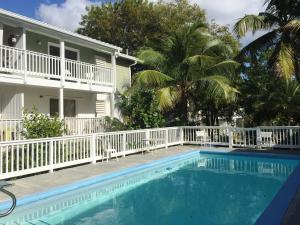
[69, 107]
[100, 108]
[70, 53]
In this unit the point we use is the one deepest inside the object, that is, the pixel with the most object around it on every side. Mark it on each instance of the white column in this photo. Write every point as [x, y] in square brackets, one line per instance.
[62, 62]
[25, 54]
[114, 71]
[61, 103]
[1, 34]
[114, 76]
[22, 103]
[112, 105]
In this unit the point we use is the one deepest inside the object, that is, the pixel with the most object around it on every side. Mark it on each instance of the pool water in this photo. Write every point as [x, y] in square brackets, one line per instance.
[203, 189]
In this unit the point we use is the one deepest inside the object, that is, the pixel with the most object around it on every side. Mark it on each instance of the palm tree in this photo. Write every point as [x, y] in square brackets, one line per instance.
[188, 59]
[281, 20]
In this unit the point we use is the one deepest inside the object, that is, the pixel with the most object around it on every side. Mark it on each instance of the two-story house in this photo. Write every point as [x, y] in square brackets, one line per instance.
[57, 71]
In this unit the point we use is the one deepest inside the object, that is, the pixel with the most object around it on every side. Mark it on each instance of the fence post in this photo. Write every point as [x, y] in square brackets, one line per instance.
[181, 135]
[258, 137]
[230, 137]
[291, 137]
[147, 140]
[166, 139]
[93, 148]
[124, 144]
[51, 156]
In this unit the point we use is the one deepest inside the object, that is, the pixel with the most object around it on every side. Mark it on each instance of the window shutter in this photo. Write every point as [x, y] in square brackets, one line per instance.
[100, 61]
[100, 108]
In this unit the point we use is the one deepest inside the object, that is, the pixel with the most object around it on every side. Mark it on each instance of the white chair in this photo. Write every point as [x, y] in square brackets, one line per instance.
[267, 138]
[108, 151]
[202, 137]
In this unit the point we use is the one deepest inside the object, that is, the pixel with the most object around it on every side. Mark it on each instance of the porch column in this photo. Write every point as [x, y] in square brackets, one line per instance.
[114, 79]
[61, 103]
[22, 104]
[62, 63]
[1, 34]
[25, 54]
[114, 71]
[112, 105]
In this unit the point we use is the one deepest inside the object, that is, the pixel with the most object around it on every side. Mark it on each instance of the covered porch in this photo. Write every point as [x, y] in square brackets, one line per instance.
[82, 111]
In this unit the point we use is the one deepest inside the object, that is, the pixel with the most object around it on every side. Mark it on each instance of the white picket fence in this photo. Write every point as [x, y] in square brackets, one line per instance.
[11, 129]
[18, 158]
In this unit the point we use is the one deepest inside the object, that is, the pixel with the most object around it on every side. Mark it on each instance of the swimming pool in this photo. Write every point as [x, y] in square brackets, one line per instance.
[197, 188]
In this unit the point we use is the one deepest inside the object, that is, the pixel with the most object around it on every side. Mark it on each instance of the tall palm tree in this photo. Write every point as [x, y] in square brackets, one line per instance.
[281, 20]
[188, 59]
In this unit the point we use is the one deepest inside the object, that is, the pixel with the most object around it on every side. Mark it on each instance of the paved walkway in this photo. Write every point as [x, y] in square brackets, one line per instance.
[43, 182]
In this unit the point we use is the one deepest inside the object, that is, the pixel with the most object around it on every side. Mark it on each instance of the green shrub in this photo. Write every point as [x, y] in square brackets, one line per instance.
[39, 125]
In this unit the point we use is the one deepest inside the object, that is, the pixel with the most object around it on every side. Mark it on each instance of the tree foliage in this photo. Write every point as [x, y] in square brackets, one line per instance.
[140, 109]
[132, 24]
[189, 60]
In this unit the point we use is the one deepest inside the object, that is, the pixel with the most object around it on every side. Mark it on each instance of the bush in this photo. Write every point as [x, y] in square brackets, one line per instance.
[39, 125]
[113, 124]
[139, 109]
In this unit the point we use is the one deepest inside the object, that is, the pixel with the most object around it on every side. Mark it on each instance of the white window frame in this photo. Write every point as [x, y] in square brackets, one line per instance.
[66, 47]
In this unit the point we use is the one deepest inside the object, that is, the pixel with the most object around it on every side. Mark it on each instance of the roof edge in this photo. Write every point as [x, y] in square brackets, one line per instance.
[58, 29]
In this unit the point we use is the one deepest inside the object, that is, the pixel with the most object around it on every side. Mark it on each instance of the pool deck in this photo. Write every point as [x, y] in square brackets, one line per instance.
[30, 185]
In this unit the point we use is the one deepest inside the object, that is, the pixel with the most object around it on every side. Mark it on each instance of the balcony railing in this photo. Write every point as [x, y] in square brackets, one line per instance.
[34, 64]
[11, 129]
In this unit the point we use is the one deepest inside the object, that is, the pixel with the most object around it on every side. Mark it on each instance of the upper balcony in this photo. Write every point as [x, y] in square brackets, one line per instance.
[34, 68]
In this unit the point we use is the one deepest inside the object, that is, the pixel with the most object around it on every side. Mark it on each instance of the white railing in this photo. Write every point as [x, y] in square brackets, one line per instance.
[18, 158]
[12, 59]
[34, 64]
[80, 126]
[88, 73]
[43, 65]
[10, 129]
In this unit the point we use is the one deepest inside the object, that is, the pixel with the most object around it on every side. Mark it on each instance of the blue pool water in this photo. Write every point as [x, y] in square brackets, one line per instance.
[202, 189]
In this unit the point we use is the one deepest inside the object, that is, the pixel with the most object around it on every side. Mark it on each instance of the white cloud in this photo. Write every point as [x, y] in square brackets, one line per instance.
[227, 12]
[66, 15]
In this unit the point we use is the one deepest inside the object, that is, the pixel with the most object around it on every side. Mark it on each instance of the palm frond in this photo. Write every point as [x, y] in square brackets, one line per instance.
[282, 60]
[219, 88]
[259, 44]
[292, 26]
[201, 60]
[250, 23]
[224, 67]
[151, 58]
[168, 97]
[151, 78]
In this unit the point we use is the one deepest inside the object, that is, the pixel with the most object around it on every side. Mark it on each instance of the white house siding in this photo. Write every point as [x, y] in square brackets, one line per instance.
[40, 98]
[10, 103]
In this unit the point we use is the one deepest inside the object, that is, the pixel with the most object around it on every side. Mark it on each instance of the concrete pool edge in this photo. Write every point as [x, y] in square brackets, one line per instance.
[96, 179]
[275, 212]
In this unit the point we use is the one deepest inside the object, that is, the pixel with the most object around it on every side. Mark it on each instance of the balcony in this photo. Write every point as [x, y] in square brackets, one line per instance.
[24, 64]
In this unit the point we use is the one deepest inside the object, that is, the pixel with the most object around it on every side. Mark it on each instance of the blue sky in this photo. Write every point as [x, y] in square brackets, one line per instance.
[25, 7]
[67, 13]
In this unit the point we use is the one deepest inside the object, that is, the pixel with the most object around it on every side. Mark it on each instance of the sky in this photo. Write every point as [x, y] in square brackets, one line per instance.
[67, 13]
